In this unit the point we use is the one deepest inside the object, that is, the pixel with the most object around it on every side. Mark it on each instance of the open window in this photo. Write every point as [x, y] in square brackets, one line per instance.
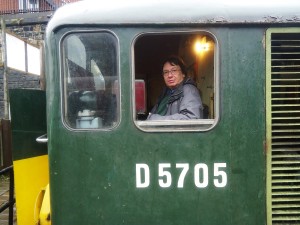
[90, 80]
[199, 50]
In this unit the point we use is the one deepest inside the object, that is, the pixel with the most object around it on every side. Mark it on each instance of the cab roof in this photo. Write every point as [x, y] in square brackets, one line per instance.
[176, 12]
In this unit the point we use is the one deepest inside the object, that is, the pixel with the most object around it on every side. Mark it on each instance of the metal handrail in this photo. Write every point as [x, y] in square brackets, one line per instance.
[11, 199]
[42, 139]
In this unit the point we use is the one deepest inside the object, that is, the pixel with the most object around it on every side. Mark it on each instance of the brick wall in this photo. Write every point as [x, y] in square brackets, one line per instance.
[9, 6]
[33, 34]
[17, 79]
[30, 29]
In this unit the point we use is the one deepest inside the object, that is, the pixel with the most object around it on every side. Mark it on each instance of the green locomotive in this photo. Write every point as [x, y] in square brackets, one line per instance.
[238, 164]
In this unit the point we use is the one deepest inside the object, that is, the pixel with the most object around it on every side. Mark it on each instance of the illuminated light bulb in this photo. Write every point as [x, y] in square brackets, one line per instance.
[201, 47]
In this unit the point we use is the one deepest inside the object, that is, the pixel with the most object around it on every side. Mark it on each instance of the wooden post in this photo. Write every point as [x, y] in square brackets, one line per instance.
[4, 60]
[42, 68]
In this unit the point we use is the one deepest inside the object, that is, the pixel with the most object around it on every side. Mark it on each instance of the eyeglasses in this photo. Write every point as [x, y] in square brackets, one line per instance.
[172, 72]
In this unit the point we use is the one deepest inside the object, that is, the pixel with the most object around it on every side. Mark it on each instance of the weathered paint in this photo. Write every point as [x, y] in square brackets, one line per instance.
[92, 173]
[179, 12]
[100, 166]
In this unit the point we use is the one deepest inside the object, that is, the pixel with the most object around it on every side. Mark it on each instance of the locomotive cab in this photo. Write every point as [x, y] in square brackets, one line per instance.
[239, 164]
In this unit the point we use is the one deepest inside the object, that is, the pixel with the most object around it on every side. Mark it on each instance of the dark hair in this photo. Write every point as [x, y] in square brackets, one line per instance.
[175, 60]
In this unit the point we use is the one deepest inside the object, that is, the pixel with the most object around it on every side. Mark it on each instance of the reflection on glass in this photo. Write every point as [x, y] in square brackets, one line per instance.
[90, 74]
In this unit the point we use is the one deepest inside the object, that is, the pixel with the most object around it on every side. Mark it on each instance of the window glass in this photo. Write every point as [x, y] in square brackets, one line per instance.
[200, 77]
[90, 78]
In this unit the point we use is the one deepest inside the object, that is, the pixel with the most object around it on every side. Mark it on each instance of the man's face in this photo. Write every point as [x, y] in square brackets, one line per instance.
[173, 75]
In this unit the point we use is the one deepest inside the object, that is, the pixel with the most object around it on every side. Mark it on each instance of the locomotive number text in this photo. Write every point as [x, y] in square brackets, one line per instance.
[165, 178]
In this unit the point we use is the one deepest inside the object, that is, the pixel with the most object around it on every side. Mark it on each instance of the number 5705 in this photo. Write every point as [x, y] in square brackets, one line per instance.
[201, 175]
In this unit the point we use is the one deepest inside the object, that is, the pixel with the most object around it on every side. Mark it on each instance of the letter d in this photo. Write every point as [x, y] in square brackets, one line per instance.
[142, 169]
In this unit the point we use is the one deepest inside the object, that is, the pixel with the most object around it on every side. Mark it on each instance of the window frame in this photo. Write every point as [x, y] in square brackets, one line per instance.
[63, 101]
[198, 125]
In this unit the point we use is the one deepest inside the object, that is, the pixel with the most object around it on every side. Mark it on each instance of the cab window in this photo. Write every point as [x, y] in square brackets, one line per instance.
[90, 80]
[199, 52]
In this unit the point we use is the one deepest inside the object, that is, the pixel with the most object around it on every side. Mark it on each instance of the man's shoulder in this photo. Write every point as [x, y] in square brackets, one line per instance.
[188, 82]
[190, 89]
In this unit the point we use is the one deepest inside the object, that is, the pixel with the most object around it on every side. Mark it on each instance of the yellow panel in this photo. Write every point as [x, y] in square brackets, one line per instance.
[44, 215]
[31, 176]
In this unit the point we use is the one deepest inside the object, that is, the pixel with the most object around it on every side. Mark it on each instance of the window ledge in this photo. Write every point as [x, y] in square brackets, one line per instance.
[176, 125]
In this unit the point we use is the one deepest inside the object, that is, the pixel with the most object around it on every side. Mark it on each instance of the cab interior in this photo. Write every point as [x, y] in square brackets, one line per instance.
[197, 51]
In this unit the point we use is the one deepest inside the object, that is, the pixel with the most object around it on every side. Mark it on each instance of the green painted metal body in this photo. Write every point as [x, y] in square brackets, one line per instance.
[28, 116]
[92, 173]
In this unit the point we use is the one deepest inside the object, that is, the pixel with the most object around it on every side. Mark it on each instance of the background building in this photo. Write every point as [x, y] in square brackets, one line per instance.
[25, 20]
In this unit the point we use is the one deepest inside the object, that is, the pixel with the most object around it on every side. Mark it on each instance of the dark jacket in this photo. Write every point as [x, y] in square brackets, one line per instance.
[183, 104]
